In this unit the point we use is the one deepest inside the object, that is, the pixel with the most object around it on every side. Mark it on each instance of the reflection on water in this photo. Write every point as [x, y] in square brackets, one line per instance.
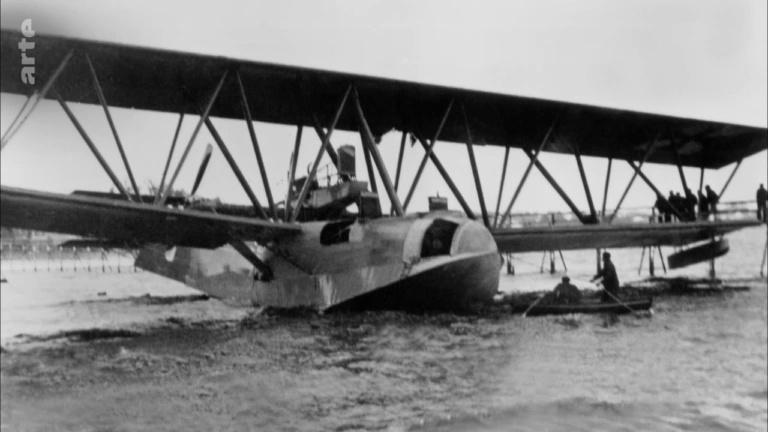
[697, 364]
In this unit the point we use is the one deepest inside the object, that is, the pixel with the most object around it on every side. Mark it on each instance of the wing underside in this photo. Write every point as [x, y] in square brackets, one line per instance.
[131, 223]
[158, 80]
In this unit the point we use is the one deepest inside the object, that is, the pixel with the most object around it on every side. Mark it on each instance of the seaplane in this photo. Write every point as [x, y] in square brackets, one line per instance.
[334, 247]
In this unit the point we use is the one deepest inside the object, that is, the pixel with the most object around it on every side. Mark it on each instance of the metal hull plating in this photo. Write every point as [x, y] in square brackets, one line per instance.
[458, 284]
[394, 256]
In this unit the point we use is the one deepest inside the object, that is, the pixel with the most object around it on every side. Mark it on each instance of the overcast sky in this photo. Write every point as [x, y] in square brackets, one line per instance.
[698, 59]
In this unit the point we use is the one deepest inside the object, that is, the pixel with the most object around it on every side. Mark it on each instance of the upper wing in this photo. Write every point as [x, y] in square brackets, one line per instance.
[131, 223]
[153, 79]
[533, 239]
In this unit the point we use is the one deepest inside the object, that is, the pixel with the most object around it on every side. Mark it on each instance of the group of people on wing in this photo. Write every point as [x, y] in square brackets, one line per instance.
[684, 208]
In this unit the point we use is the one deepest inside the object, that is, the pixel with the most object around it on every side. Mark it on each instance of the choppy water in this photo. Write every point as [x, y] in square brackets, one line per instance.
[698, 364]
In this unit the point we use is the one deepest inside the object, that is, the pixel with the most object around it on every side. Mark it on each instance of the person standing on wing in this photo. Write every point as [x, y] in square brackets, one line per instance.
[713, 199]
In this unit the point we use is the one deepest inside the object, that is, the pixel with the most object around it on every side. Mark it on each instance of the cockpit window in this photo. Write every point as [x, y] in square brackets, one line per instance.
[336, 232]
[438, 237]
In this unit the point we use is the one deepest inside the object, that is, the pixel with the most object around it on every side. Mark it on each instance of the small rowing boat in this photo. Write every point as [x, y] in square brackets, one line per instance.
[587, 307]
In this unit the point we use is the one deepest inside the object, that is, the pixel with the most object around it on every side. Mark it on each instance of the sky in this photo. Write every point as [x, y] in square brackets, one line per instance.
[689, 58]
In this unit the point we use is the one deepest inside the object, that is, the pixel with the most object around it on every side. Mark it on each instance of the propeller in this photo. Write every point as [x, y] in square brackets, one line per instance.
[203, 166]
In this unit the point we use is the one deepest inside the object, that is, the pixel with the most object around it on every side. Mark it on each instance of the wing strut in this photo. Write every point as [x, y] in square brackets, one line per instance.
[586, 184]
[605, 191]
[399, 164]
[261, 266]
[370, 144]
[232, 164]
[256, 149]
[556, 186]
[159, 190]
[501, 187]
[192, 138]
[103, 101]
[427, 155]
[369, 168]
[634, 175]
[400, 159]
[292, 173]
[447, 179]
[528, 171]
[738, 164]
[321, 134]
[35, 98]
[323, 146]
[478, 185]
[202, 167]
[92, 146]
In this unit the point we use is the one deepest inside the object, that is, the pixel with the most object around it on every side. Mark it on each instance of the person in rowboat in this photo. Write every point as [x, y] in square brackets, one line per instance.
[565, 293]
[610, 279]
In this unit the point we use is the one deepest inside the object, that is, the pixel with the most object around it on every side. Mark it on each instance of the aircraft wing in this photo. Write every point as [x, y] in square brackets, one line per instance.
[531, 239]
[159, 80]
[131, 223]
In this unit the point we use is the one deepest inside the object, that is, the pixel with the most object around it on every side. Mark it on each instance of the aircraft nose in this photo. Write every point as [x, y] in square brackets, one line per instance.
[472, 237]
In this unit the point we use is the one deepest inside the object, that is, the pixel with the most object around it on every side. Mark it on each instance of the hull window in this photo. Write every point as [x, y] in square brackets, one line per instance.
[437, 238]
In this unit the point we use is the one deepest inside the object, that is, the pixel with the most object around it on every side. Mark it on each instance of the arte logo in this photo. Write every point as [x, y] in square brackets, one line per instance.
[27, 61]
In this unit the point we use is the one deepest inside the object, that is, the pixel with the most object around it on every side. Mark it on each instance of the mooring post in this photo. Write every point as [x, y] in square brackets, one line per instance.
[650, 261]
[712, 265]
[565, 267]
[551, 262]
[599, 263]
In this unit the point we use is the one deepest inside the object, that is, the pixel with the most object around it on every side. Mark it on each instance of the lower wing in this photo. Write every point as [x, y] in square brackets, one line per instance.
[531, 239]
[130, 223]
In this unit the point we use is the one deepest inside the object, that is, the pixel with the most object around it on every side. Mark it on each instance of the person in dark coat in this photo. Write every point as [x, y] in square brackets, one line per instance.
[703, 206]
[610, 279]
[678, 203]
[670, 204]
[564, 293]
[661, 206]
[712, 198]
[762, 196]
[690, 204]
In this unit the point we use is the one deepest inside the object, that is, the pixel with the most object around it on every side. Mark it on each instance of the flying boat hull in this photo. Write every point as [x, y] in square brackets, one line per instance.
[433, 261]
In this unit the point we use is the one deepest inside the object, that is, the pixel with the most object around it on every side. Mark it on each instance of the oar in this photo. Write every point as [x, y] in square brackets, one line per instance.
[533, 304]
[598, 283]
